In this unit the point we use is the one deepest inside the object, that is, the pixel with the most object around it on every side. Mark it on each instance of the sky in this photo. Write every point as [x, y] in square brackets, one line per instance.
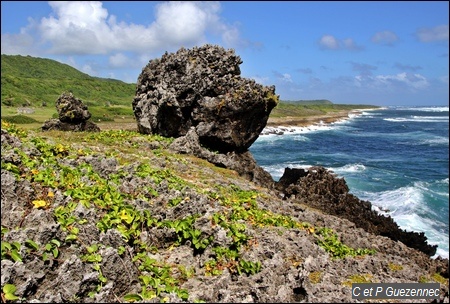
[368, 52]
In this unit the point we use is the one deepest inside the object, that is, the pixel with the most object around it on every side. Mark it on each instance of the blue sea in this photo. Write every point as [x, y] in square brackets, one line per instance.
[394, 157]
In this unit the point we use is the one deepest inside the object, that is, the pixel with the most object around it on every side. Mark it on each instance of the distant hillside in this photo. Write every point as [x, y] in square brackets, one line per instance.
[310, 102]
[304, 108]
[35, 81]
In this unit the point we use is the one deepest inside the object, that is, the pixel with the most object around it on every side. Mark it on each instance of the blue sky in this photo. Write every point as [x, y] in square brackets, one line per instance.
[368, 52]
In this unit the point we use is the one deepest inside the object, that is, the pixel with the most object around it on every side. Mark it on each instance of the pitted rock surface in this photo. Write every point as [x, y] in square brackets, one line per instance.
[321, 189]
[73, 115]
[202, 88]
[71, 109]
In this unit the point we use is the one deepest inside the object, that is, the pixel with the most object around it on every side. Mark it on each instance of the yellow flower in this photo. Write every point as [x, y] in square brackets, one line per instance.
[39, 204]
[50, 194]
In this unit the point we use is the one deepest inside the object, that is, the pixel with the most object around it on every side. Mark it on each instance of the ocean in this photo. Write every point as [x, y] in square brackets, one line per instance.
[394, 157]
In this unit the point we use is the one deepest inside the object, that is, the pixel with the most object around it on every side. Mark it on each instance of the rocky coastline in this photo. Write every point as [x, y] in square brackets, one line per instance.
[281, 125]
[179, 210]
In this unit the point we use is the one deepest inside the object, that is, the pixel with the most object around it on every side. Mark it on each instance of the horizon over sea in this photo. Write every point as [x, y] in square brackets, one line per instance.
[396, 157]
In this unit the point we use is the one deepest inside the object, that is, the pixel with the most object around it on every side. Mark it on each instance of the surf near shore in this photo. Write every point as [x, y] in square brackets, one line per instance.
[294, 124]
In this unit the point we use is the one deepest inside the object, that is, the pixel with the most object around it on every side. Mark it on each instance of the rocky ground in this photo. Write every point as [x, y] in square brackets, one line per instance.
[116, 216]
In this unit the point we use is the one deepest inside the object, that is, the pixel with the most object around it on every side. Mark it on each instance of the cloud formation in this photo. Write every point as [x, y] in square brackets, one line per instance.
[329, 42]
[409, 81]
[387, 38]
[86, 28]
[437, 33]
[362, 68]
[406, 67]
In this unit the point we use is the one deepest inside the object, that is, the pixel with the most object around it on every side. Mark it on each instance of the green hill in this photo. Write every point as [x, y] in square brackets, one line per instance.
[310, 102]
[31, 81]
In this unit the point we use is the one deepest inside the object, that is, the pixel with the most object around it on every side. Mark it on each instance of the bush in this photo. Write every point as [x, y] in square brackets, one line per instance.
[19, 119]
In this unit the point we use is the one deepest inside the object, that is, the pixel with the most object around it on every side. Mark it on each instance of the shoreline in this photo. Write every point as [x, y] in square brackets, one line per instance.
[290, 124]
[306, 121]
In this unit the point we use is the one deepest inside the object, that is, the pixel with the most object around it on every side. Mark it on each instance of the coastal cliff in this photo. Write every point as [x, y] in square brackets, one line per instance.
[117, 216]
[148, 216]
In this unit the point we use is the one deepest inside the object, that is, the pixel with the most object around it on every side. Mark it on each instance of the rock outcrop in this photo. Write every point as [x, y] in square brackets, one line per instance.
[243, 163]
[73, 115]
[321, 189]
[130, 228]
[202, 88]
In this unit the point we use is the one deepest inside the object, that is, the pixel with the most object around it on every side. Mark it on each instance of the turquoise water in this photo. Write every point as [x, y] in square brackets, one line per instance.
[394, 157]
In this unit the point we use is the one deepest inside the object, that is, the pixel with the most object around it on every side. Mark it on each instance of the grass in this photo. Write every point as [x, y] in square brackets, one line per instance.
[287, 109]
[30, 81]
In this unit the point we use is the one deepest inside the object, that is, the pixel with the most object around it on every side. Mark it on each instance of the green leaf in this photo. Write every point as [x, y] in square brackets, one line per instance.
[31, 244]
[56, 242]
[132, 297]
[9, 288]
[11, 297]
[16, 256]
[102, 278]
[71, 237]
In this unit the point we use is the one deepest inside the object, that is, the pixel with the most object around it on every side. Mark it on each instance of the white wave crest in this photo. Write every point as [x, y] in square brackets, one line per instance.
[418, 119]
[350, 168]
[405, 205]
[424, 109]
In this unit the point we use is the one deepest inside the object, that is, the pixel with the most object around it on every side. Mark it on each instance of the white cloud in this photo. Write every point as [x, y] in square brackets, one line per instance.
[437, 33]
[385, 38]
[17, 44]
[405, 80]
[330, 42]
[85, 27]
[260, 80]
[88, 69]
[286, 77]
[119, 60]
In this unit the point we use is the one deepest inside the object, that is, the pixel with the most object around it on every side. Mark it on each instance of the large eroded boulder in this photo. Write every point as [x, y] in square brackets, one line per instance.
[202, 88]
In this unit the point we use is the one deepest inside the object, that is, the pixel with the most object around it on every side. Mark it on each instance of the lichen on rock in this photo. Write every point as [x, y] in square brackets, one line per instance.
[202, 88]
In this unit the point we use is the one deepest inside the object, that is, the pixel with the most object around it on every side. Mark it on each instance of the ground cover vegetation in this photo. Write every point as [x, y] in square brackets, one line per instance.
[64, 180]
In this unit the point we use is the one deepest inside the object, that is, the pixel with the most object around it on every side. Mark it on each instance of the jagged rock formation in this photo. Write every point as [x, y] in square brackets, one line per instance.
[321, 189]
[202, 88]
[73, 115]
[243, 163]
[103, 256]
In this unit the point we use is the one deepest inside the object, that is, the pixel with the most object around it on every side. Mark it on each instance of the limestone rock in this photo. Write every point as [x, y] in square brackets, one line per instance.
[321, 189]
[202, 88]
[71, 109]
[73, 115]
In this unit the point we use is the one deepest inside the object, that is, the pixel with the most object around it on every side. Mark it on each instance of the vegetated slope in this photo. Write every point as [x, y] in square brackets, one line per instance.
[116, 216]
[310, 102]
[312, 108]
[32, 81]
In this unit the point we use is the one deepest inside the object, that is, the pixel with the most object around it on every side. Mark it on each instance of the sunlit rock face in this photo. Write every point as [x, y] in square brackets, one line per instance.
[202, 88]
